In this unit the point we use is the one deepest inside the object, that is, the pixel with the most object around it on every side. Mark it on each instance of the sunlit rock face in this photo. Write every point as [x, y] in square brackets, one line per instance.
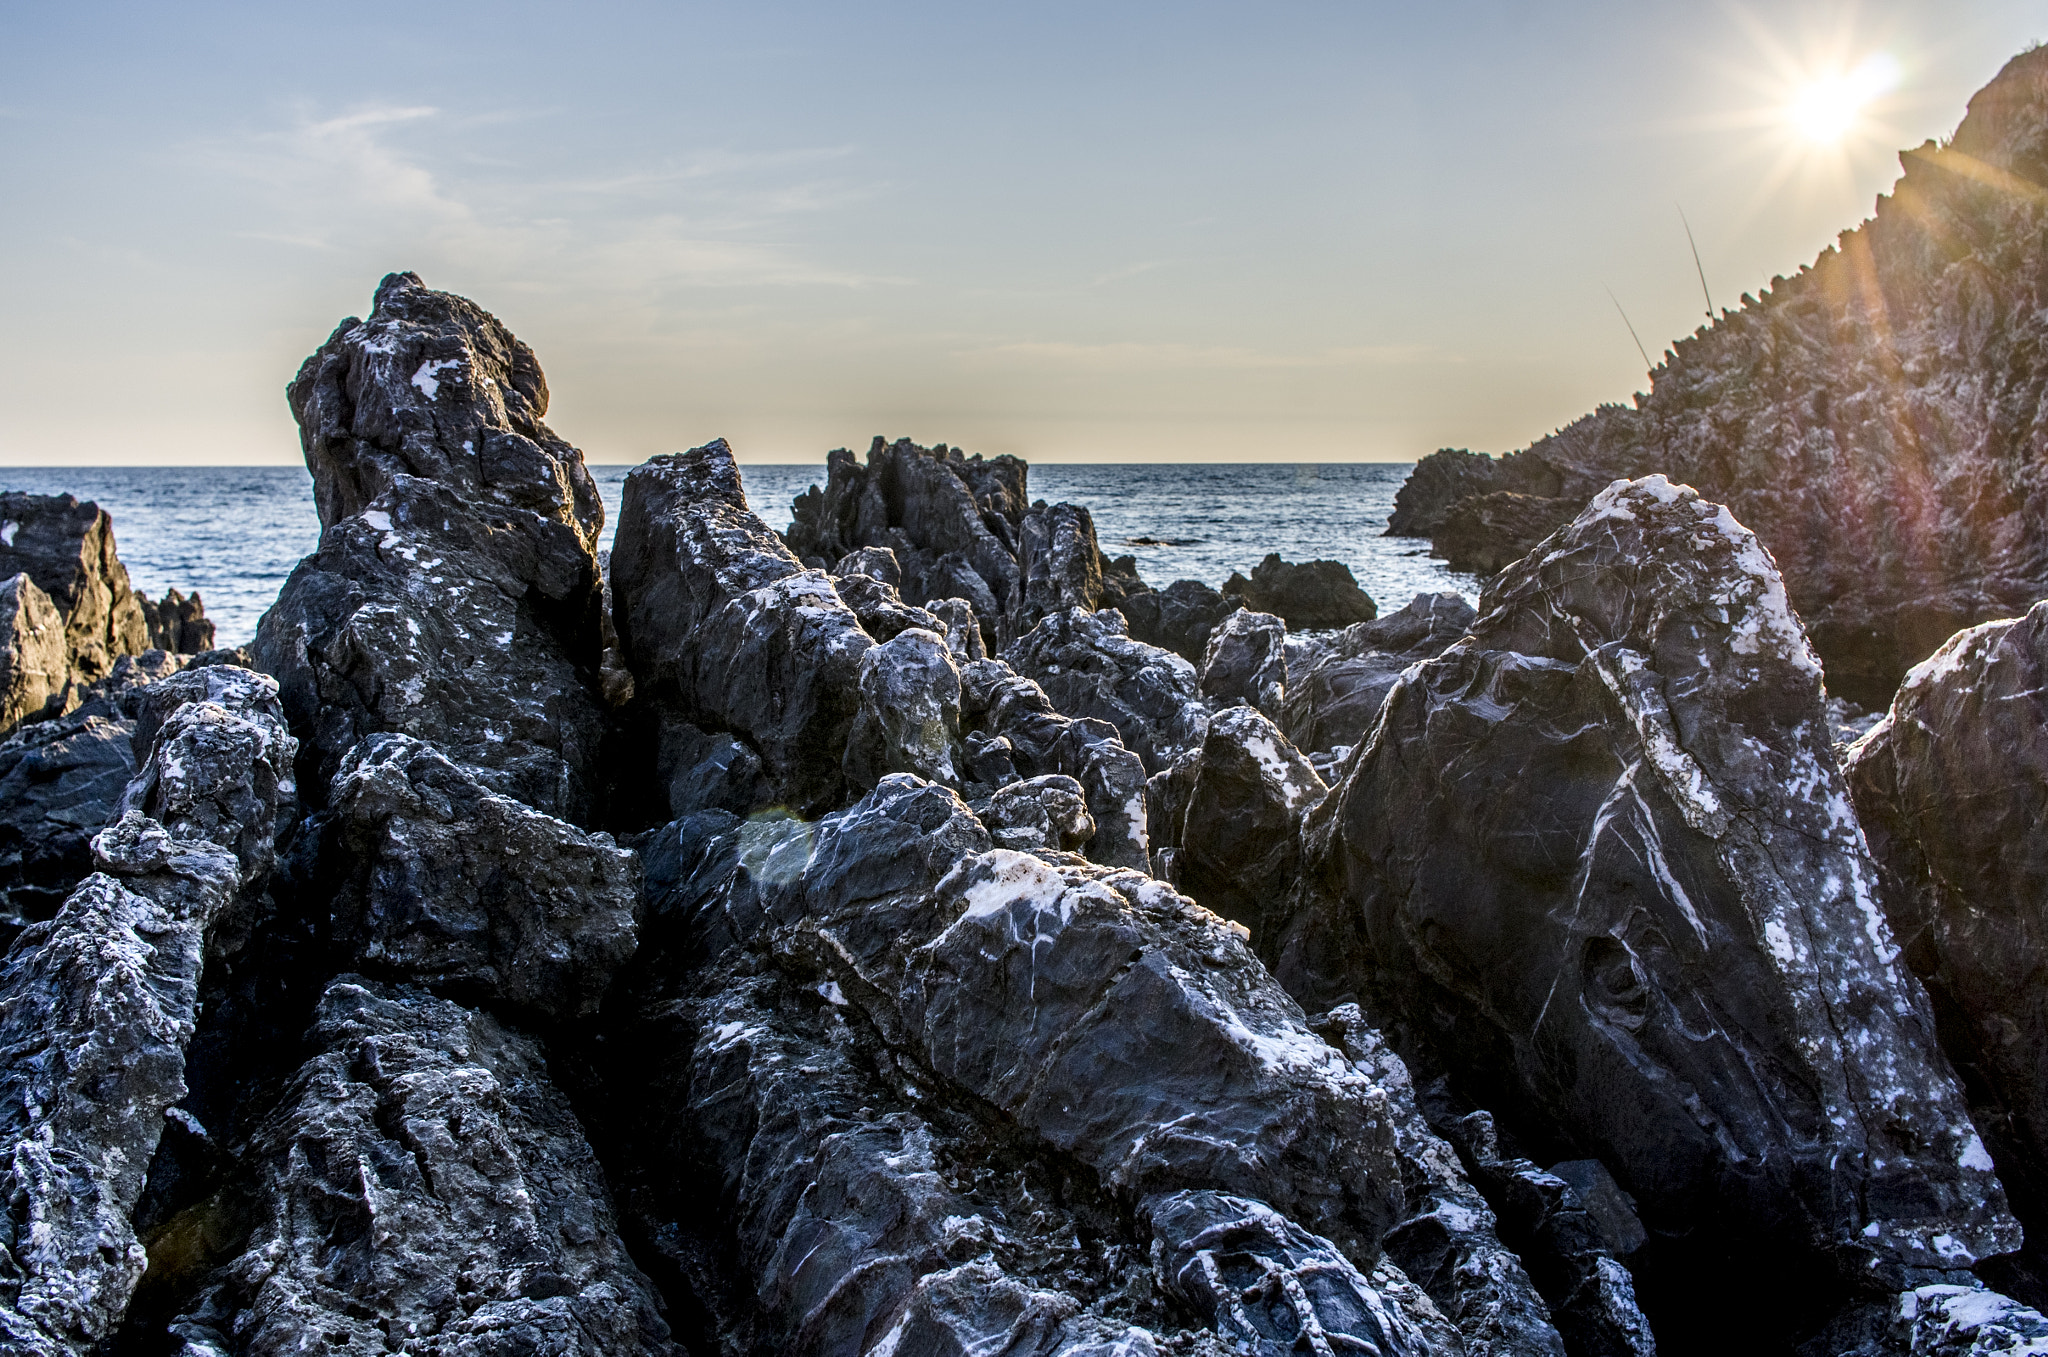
[1875, 419]
[1598, 854]
[1952, 789]
[455, 596]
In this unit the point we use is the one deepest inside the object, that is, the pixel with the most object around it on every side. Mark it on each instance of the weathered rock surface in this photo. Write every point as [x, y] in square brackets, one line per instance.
[1038, 812]
[1335, 684]
[909, 718]
[34, 663]
[1952, 788]
[1484, 534]
[1177, 618]
[176, 623]
[1058, 562]
[1308, 596]
[1230, 813]
[726, 630]
[455, 596]
[1246, 662]
[1599, 855]
[1090, 667]
[1874, 419]
[440, 880]
[422, 1184]
[1943, 1320]
[67, 548]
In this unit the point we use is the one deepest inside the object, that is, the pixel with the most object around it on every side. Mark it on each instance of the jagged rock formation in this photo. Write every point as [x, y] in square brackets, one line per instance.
[1178, 618]
[1336, 684]
[1314, 595]
[455, 594]
[1599, 856]
[1246, 662]
[1951, 788]
[1090, 667]
[1875, 420]
[940, 999]
[67, 613]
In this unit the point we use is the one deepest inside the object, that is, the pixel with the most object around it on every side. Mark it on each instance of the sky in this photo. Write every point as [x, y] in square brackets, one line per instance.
[1293, 231]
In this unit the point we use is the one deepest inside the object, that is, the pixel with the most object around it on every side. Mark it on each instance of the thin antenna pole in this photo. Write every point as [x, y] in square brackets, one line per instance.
[1696, 261]
[1647, 364]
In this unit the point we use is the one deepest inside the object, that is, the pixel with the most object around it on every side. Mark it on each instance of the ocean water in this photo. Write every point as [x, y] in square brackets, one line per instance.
[234, 533]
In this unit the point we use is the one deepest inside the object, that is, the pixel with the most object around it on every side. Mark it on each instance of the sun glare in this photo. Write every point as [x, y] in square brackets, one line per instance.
[1828, 108]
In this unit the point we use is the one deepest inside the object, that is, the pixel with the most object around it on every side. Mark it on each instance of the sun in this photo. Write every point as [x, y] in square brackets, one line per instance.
[1829, 107]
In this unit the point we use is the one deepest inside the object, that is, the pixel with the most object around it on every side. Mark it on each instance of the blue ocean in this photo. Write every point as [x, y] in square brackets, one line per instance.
[234, 533]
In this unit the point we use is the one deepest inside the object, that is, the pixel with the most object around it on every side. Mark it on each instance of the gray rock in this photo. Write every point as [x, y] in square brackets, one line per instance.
[875, 562]
[724, 628]
[451, 885]
[422, 1178]
[34, 663]
[1600, 850]
[1231, 812]
[1309, 596]
[67, 548]
[962, 629]
[707, 771]
[882, 612]
[1336, 682]
[1246, 662]
[909, 719]
[1059, 563]
[176, 623]
[1943, 1320]
[1439, 481]
[1178, 618]
[1091, 668]
[1041, 812]
[1013, 731]
[1951, 787]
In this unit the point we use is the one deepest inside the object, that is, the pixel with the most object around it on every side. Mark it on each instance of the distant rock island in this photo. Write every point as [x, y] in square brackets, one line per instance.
[912, 932]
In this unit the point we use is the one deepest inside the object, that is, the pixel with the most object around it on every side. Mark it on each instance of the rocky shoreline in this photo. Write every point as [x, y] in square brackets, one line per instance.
[913, 933]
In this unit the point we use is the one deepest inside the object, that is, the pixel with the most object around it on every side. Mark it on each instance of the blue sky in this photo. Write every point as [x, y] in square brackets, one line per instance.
[1291, 231]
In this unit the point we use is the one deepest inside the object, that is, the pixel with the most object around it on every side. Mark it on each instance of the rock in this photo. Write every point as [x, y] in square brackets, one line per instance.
[875, 562]
[422, 1176]
[1039, 812]
[1944, 1320]
[67, 548]
[724, 628]
[1600, 851]
[177, 624]
[1177, 618]
[1246, 662]
[1012, 731]
[407, 621]
[1231, 813]
[1090, 667]
[909, 719]
[96, 1007]
[1439, 481]
[962, 629]
[1871, 418]
[881, 611]
[34, 664]
[1059, 563]
[709, 771]
[1310, 596]
[1951, 787]
[1335, 684]
[1483, 534]
[440, 880]
[455, 596]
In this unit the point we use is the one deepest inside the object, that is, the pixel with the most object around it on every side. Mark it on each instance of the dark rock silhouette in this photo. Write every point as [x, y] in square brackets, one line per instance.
[1872, 419]
[1090, 667]
[1336, 683]
[1599, 855]
[176, 623]
[1177, 618]
[1313, 595]
[1246, 662]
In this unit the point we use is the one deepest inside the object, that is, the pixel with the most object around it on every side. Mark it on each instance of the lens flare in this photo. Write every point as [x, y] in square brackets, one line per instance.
[1828, 109]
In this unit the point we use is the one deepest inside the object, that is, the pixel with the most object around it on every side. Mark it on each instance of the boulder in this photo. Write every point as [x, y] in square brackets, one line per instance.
[1599, 854]
[422, 1176]
[456, 595]
[177, 623]
[1230, 813]
[67, 548]
[881, 611]
[1336, 683]
[1873, 418]
[34, 663]
[1049, 812]
[1439, 481]
[962, 629]
[1310, 596]
[439, 880]
[909, 719]
[1177, 618]
[1059, 564]
[1246, 662]
[725, 629]
[1483, 534]
[1090, 667]
[1951, 788]
[875, 562]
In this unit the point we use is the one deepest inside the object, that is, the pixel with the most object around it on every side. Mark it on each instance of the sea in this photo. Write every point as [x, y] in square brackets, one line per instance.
[234, 533]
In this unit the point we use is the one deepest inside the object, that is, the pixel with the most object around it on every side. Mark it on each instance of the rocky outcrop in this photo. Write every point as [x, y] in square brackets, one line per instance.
[1484, 534]
[1599, 855]
[1335, 684]
[176, 623]
[1874, 419]
[455, 595]
[725, 630]
[1951, 788]
[34, 663]
[1310, 596]
[1177, 618]
[422, 1180]
[1090, 667]
[1246, 662]
[67, 548]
